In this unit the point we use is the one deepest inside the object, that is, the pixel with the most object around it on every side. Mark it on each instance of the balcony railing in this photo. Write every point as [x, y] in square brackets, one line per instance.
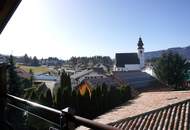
[61, 119]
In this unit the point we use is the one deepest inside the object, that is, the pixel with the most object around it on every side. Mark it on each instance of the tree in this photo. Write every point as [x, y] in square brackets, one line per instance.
[26, 59]
[65, 81]
[63, 92]
[170, 68]
[31, 77]
[46, 98]
[14, 80]
[58, 98]
[35, 61]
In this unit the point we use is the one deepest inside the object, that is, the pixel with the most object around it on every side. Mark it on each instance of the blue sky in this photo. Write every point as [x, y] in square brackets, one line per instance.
[65, 28]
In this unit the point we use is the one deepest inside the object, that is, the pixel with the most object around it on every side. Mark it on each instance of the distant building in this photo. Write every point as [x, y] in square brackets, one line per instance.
[110, 81]
[94, 73]
[45, 76]
[106, 68]
[3, 59]
[136, 79]
[23, 74]
[130, 61]
[47, 79]
[70, 71]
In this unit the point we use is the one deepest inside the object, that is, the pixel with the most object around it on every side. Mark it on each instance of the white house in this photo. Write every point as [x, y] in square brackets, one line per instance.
[130, 61]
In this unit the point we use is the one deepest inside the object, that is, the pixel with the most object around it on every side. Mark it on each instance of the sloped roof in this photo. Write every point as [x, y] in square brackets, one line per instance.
[126, 58]
[45, 77]
[172, 117]
[99, 81]
[82, 73]
[22, 73]
[87, 71]
[137, 79]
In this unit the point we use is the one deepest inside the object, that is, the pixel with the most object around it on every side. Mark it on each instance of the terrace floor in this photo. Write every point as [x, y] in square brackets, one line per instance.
[144, 102]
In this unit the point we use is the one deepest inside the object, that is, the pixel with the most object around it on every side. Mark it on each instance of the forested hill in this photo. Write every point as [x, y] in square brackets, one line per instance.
[106, 60]
[184, 51]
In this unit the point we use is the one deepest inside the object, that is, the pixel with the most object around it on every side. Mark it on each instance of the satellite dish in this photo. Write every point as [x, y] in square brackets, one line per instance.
[7, 9]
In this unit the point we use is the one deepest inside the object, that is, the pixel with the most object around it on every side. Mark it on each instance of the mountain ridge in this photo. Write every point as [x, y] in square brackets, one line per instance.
[183, 51]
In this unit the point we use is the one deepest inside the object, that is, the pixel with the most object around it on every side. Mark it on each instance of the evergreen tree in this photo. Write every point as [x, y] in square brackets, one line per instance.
[63, 94]
[35, 61]
[104, 96]
[171, 68]
[65, 81]
[31, 78]
[14, 80]
[26, 59]
[58, 98]
[46, 99]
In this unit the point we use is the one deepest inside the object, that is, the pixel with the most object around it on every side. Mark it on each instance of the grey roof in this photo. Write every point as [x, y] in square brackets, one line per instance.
[137, 79]
[45, 77]
[126, 58]
[82, 73]
[99, 81]
[172, 117]
[87, 71]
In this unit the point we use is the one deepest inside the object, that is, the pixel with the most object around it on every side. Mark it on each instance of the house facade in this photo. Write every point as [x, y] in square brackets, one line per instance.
[94, 73]
[130, 61]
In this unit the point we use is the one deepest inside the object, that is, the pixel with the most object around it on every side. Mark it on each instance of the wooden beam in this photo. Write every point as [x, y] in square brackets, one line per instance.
[3, 90]
[7, 9]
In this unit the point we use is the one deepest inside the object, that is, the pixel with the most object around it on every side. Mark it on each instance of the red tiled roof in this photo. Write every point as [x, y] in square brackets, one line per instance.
[171, 117]
[22, 73]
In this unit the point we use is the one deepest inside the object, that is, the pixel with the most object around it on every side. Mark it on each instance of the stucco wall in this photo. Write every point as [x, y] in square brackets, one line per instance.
[128, 67]
[132, 67]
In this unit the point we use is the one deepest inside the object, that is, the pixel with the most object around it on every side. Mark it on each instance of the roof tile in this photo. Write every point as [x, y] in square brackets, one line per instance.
[172, 117]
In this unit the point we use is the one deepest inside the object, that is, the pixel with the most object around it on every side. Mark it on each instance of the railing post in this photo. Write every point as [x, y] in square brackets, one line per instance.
[62, 121]
[67, 114]
[3, 91]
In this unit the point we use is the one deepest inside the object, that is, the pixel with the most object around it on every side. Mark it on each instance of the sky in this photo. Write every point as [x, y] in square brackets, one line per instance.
[65, 28]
